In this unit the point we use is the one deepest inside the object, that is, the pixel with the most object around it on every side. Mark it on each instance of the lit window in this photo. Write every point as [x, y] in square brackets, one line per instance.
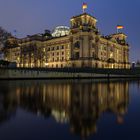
[62, 47]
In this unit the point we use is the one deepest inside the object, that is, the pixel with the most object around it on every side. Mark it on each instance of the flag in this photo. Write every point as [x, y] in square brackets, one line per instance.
[120, 27]
[84, 6]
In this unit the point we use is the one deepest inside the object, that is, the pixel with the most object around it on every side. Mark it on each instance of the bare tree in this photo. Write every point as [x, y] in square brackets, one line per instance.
[4, 35]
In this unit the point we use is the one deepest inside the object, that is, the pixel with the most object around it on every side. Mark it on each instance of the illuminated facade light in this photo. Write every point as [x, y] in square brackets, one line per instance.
[61, 31]
[81, 45]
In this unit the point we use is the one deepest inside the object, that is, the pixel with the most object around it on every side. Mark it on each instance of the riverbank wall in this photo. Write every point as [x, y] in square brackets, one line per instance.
[67, 73]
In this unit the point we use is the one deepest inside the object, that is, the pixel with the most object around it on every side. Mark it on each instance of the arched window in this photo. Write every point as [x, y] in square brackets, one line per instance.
[77, 45]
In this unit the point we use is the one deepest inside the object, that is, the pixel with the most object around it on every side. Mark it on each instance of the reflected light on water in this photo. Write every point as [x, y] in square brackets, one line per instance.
[78, 104]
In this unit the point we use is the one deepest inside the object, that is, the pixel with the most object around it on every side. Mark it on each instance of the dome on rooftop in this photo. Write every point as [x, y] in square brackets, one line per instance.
[61, 31]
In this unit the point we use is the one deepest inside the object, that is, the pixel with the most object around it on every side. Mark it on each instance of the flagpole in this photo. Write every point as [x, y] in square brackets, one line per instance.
[117, 30]
[83, 10]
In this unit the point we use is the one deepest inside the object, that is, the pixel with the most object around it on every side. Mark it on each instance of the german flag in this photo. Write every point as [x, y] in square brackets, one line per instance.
[84, 6]
[120, 27]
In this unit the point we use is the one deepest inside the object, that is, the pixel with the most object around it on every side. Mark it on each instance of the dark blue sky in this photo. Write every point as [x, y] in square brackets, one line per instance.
[34, 16]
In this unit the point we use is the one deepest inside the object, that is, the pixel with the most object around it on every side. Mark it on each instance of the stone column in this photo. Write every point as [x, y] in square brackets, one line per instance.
[71, 48]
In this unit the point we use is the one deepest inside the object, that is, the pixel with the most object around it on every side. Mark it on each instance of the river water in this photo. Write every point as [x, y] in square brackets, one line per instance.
[69, 110]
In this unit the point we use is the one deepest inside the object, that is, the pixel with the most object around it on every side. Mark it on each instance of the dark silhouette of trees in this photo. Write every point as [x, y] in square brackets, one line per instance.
[4, 35]
[4, 63]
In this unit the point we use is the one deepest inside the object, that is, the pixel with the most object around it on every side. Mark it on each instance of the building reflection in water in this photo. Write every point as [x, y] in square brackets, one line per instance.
[80, 104]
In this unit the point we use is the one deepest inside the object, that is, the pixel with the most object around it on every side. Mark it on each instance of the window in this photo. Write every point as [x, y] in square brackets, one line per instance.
[77, 45]
[57, 47]
[48, 49]
[62, 58]
[62, 47]
[96, 65]
[77, 55]
[53, 48]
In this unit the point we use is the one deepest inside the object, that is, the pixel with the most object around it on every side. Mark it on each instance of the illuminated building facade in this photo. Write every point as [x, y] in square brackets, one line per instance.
[81, 45]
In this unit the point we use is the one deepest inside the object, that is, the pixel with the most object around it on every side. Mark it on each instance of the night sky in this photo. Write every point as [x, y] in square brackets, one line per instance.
[34, 16]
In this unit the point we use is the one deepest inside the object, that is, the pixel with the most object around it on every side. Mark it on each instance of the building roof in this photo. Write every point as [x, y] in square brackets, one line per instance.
[111, 35]
[83, 15]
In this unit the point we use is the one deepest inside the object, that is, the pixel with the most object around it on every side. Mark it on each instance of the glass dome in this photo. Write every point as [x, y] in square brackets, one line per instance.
[61, 31]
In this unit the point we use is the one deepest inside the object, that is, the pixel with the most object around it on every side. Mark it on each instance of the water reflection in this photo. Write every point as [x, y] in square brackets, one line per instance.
[79, 104]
